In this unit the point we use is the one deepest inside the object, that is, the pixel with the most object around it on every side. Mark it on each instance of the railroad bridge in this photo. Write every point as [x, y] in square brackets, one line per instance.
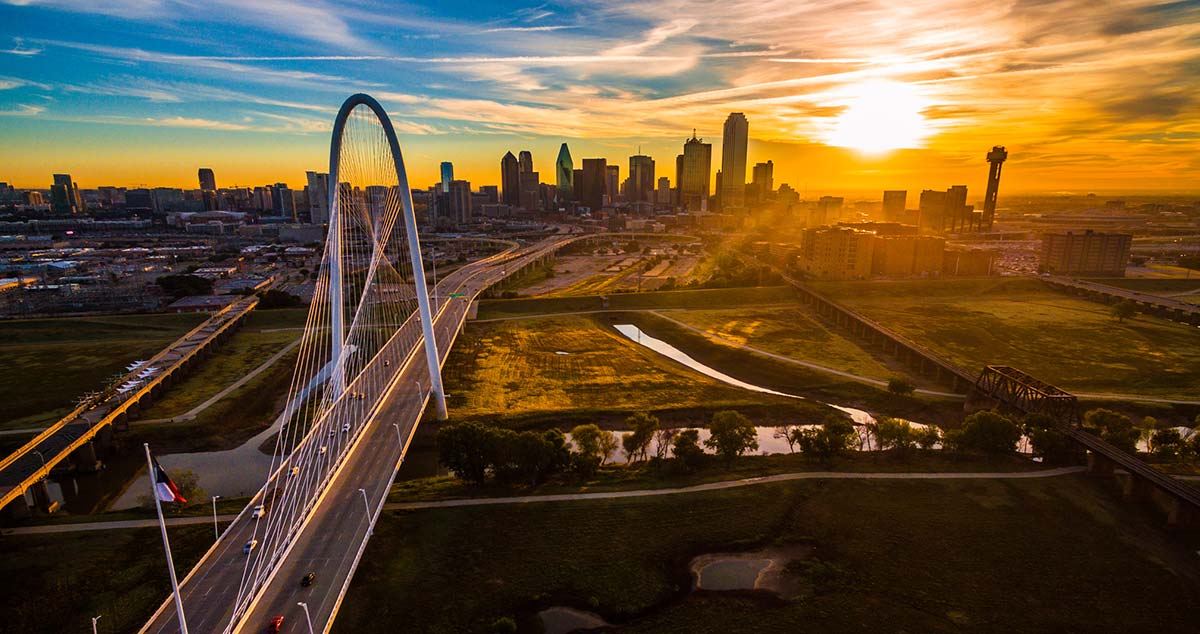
[1010, 389]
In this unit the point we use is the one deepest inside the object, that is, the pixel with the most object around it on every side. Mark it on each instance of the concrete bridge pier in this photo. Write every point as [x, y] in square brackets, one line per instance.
[1099, 465]
[85, 460]
[41, 497]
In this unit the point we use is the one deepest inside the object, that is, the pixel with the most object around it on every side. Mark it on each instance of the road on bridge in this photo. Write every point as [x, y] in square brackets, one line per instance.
[335, 534]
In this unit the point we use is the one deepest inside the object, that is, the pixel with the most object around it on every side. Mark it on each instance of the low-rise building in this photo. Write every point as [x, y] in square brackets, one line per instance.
[1087, 254]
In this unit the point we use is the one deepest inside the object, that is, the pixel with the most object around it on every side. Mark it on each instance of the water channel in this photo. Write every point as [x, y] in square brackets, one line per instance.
[240, 471]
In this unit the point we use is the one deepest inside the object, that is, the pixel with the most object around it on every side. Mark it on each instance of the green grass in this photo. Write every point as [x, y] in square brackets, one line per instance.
[49, 363]
[1070, 342]
[643, 475]
[1154, 286]
[1044, 555]
[56, 583]
[791, 332]
[511, 370]
[262, 336]
[708, 298]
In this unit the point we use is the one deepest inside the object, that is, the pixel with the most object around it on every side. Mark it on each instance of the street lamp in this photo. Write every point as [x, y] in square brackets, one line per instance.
[39, 455]
[216, 533]
[307, 617]
[367, 505]
[399, 438]
[94, 619]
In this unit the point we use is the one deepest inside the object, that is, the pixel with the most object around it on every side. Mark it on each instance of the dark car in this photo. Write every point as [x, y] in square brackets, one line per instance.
[309, 579]
[275, 624]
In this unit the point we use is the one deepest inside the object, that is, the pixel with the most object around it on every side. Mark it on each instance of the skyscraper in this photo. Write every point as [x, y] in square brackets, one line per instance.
[284, 201]
[564, 170]
[447, 175]
[459, 197]
[995, 159]
[208, 181]
[933, 211]
[663, 195]
[957, 215]
[894, 203]
[695, 174]
[64, 195]
[530, 191]
[612, 182]
[525, 160]
[510, 179]
[318, 197]
[764, 178]
[733, 161]
[641, 178]
[591, 183]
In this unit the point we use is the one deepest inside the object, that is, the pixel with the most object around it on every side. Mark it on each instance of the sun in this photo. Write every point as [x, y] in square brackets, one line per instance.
[881, 116]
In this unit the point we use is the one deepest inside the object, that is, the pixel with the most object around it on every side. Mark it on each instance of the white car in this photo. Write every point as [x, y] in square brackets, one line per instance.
[345, 427]
[250, 545]
[322, 452]
[259, 511]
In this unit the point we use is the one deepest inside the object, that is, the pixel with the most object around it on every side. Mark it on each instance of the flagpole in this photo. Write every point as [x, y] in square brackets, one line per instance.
[166, 543]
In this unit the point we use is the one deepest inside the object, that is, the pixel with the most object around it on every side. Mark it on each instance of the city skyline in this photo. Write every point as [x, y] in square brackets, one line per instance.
[835, 109]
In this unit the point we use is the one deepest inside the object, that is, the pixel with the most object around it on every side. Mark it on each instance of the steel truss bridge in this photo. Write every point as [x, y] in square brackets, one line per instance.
[1017, 391]
[369, 364]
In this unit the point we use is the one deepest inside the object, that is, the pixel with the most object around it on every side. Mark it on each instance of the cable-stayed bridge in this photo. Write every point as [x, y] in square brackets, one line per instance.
[369, 363]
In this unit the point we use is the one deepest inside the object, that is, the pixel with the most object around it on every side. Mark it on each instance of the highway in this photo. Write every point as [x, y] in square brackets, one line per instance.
[334, 535]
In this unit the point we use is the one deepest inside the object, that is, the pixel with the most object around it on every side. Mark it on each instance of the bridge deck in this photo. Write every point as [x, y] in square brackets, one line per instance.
[25, 467]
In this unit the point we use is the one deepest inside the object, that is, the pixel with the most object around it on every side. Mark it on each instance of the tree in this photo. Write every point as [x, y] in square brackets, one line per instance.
[637, 442]
[1050, 441]
[835, 435]
[466, 449]
[928, 436]
[986, 432]
[893, 433]
[1168, 443]
[790, 433]
[662, 442]
[688, 454]
[179, 286]
[900, 387]
[1114, 428]
[731, 435]
[592, 447]
[1146, 430]
[1124, 309]
[273, 298]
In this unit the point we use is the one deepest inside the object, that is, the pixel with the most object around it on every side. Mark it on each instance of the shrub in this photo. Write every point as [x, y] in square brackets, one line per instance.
[987, 433]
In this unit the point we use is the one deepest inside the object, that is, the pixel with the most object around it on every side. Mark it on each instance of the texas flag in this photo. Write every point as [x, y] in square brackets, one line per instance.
[163, 487]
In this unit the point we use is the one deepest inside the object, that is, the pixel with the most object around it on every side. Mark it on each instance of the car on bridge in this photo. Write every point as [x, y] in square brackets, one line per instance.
[309, 579]
[275, 625]
[259, 511]
[250, 546]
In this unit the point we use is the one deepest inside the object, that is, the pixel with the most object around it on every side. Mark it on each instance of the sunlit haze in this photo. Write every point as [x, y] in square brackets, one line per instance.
[844, 97]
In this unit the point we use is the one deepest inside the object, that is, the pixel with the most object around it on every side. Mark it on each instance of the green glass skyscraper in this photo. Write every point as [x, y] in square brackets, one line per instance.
[564, 168]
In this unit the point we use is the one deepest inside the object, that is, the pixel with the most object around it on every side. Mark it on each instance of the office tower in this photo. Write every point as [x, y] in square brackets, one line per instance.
[933, 211]
[1087, 254]
[894, 203]
[447, 175]
[995, 159]
[525, 161]
[663, 194]
[694, 170]
[564, 171]
[641, 178]
[64, 195]
[764, 178]
[208, 181]
[733, 161]
[283, 201]
[491, 194]
[510, 179]
[139, 200]
[458, 193]
[318, 197]
[828, 211]
[958, 214]
[612, 182]
[591, 183]
[530, 191]
[576, 179]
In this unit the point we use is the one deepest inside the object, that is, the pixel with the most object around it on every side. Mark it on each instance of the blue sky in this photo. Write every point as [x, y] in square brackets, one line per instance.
[1086, 94]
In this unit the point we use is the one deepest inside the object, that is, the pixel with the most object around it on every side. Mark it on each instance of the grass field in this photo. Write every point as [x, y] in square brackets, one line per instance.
[264, 333]
[56, 583]
[1070, 342]
[1046, 555]
[513, 370]
[700, 299]
[791, 332]
[49, 363]
[1154, 286]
